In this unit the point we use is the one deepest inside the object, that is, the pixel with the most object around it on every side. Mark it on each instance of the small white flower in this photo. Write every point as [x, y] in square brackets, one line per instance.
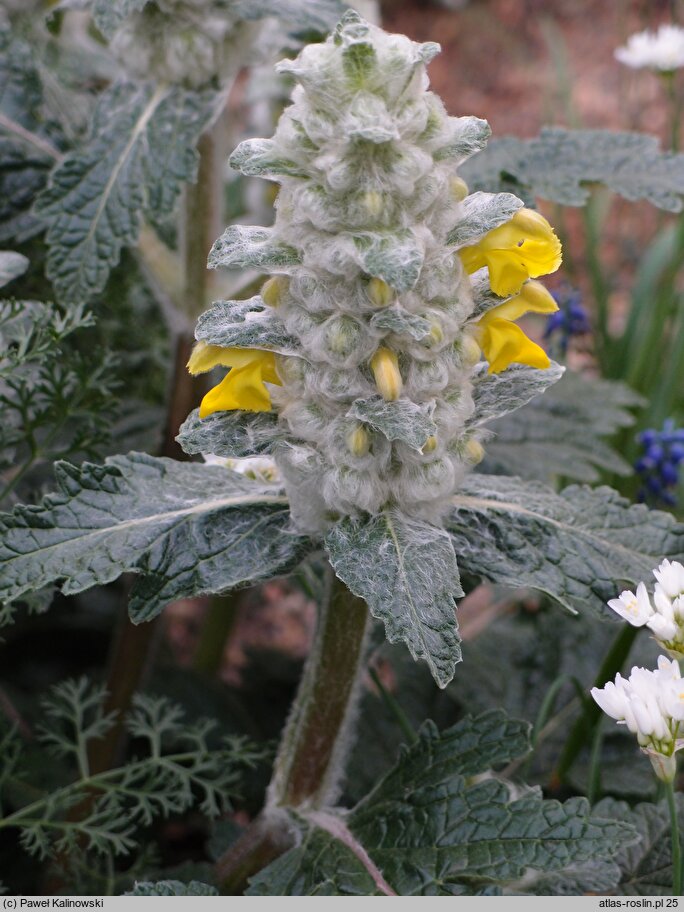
[662, 50]
[651, 705]
[636, 609]
[670, 576]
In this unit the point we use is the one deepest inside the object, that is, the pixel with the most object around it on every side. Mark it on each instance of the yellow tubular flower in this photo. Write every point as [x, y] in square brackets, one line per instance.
[523, 248]
[385, 367]
[502, 342]
[243, 386]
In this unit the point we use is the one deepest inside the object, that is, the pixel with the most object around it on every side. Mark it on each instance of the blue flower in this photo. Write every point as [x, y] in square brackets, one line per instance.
[659, 464]
[571, 319]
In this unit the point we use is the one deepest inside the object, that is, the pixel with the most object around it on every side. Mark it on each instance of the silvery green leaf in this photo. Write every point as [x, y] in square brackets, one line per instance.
[233, 434]
[498, 394]
[406, 571]
[186, 528]
[12, 265]
[481, 213]
[579, 547]
[141, 151]
[557, 164]
[246, 324]
[28, 138]
[401, 420]
[172, 888]
[429, 828]
[559, 433]
[243, 247]
[260, 158]
[109, 14]
[303, 15]
[397, 320]
[646, 866]
[469, 135]
[395, 257]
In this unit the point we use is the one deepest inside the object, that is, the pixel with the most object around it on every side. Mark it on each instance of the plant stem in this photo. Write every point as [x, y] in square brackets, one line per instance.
[676, 847]
[216, 628]
[316, 736]
[394, 708]
[583, 728]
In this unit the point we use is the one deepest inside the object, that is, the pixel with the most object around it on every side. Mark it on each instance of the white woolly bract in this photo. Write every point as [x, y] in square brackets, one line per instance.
[366, 159]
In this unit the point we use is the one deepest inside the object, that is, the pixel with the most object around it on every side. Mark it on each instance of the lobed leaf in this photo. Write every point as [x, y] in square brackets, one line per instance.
[12, 265]
[579, 546]
[499, 394]
[233, 434]
[406, 571]
[395, 257]
[243, 247]
[645, 866]
[559, 162]
[246, 324]
[172, 888]
[480, 214]
[140, 152]
[428, 828]
[186, 528]
[560, 433]
[401, 420]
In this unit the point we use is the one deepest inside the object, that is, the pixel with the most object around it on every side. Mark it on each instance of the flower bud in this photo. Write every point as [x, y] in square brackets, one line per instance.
[473, 451]
[385, 367]
[430, 445]
[272, 291]
[458, 189]
[373, 203]
[436, 333]
[380, 293]
[358, 441]
[470, 350]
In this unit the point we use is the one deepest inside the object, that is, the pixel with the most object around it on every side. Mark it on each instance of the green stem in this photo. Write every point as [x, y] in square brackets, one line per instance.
[216, 628]
[676, 846]
[316, 737]
[593, 220]
[394, 707]
[584, 727]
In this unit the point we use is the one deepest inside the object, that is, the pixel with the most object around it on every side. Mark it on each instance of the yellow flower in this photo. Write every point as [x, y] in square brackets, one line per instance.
[523, 248]
[502, 342]
[243, 386]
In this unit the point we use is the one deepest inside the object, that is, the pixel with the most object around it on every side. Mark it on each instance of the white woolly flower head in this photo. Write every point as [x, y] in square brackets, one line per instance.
[662, 50]
[651, 705]
[664, 617]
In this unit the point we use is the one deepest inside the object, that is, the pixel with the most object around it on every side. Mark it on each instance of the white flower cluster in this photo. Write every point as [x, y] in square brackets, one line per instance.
[378, 300]
[665, 617]
[188, 42]
[651, 703]
[662, 50]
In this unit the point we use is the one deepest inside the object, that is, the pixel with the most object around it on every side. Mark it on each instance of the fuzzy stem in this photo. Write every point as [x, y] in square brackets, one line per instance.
[316, 737]
[676, 847]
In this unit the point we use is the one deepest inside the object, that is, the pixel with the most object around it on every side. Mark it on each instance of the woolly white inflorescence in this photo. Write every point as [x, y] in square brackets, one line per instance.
[188, 42]
[370, 290]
